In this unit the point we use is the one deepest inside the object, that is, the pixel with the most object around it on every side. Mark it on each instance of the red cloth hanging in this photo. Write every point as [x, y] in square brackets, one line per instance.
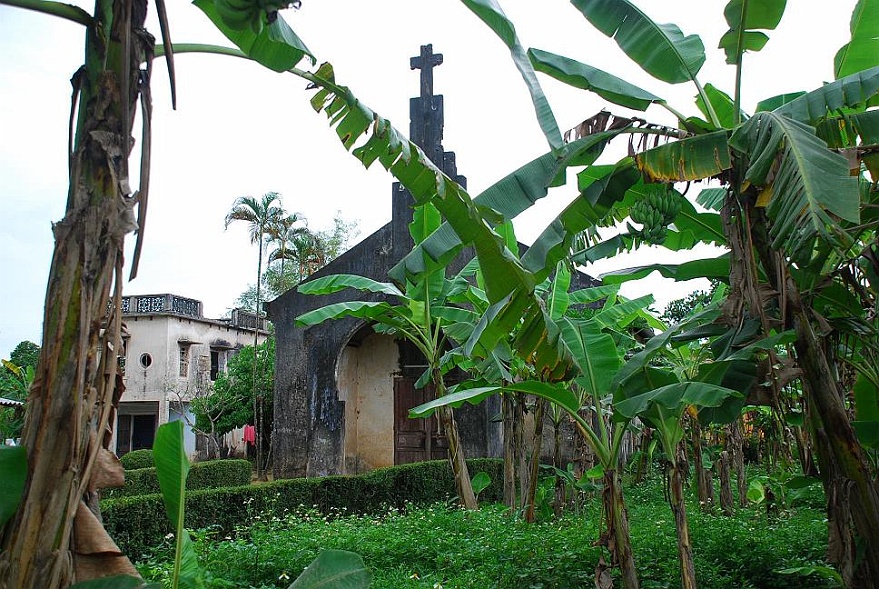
[250, 434]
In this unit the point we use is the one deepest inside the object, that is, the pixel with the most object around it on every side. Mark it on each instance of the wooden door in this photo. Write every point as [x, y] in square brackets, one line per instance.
[415, 440]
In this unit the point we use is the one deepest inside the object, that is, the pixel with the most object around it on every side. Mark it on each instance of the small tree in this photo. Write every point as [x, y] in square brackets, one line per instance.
[229, 403]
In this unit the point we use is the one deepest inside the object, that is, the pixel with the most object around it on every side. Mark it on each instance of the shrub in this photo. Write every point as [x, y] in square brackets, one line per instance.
[137, 523]
[212, 474]
[137, 459]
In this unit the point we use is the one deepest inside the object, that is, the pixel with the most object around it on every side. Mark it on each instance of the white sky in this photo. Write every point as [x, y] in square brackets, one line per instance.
[240, 129]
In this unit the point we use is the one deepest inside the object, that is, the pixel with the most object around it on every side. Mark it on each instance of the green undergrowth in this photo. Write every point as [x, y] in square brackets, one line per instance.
[441, 546]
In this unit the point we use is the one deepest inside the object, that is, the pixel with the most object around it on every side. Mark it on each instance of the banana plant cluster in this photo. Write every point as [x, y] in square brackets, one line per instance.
[784, 163]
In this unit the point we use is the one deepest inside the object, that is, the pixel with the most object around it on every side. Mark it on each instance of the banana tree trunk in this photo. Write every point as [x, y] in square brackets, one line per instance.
[519, 443]
[735, 446]
[852, 497]
[704, 488]
[456, 449]
[726, 497]
[534, 463]
[509, 453]
[679, 510]
[618, 538]
[54, 539]
[456, 458]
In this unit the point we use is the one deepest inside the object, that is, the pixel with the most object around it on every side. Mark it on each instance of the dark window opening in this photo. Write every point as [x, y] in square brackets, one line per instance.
[134, 432]
[215, 364]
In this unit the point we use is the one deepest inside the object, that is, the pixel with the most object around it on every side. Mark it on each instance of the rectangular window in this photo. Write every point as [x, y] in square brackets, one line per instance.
[137, 429]
[184, 360]
[215, 364]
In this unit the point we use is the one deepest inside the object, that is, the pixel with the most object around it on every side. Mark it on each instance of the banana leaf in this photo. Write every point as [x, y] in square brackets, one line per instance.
[862, 51]
[368, 310]
[850, 130]
[586, 77]
[13, 467]
[851, 91]
[622, 313]
[661, 50]
[490, 12]
[595, 354]
[276, 46]
[722, 105]
[654, 345]
[590, 295]
[704, 227]
[510, 196]
[712, 198]
[711, 268]
[172, 468]
[743, 18]
[559, 300]
[337, 282]
[675, 397]
[775, 102]
[693, 158]
[811, 190]
[555, 241]
[338, 569]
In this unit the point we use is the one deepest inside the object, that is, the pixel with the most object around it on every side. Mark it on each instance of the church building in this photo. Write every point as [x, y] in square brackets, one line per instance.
[342, 391]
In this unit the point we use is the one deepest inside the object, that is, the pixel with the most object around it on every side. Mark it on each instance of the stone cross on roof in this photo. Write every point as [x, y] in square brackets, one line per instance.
[426, 131]
[426, 62]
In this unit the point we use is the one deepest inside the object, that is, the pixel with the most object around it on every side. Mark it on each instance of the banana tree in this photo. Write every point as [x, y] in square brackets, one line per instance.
[664, 405]
[592, 338]
[419, 316]
[789, 204]
[77, 384]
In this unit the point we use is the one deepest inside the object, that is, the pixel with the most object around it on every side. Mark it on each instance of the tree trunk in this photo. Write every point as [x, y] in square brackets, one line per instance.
[70, 405]
[508, 407]
[852, 497]
[704, 490]
[617, 537]
[679, 510]
[519, 444]
[726, 497]
[735, 445]
[456, 459]
[560, 482]
[257, 392]
[534, 464]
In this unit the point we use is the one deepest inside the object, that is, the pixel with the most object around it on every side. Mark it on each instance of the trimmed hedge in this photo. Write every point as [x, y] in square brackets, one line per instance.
[138, 523]
[137, 459]
[211, 474]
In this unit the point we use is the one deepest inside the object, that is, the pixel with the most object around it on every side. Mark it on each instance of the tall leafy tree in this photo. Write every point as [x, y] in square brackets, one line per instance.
[264, 217]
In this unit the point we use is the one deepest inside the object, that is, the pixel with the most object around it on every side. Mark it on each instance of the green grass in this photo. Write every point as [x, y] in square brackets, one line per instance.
[441, 546]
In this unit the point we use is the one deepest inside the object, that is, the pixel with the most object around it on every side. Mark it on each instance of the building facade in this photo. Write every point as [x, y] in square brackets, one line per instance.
[172, 355]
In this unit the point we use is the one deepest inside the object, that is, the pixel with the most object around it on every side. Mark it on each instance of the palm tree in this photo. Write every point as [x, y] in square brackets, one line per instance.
[264, 215]
[288, 235]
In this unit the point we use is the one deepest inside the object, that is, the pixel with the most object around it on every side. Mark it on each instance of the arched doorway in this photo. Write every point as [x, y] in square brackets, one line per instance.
[375, 378]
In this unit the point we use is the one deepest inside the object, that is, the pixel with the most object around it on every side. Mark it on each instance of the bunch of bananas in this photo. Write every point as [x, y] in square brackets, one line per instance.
[241, 14]
[655, 211]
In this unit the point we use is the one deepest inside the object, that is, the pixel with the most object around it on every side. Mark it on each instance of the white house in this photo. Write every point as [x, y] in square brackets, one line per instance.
[172, 354]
